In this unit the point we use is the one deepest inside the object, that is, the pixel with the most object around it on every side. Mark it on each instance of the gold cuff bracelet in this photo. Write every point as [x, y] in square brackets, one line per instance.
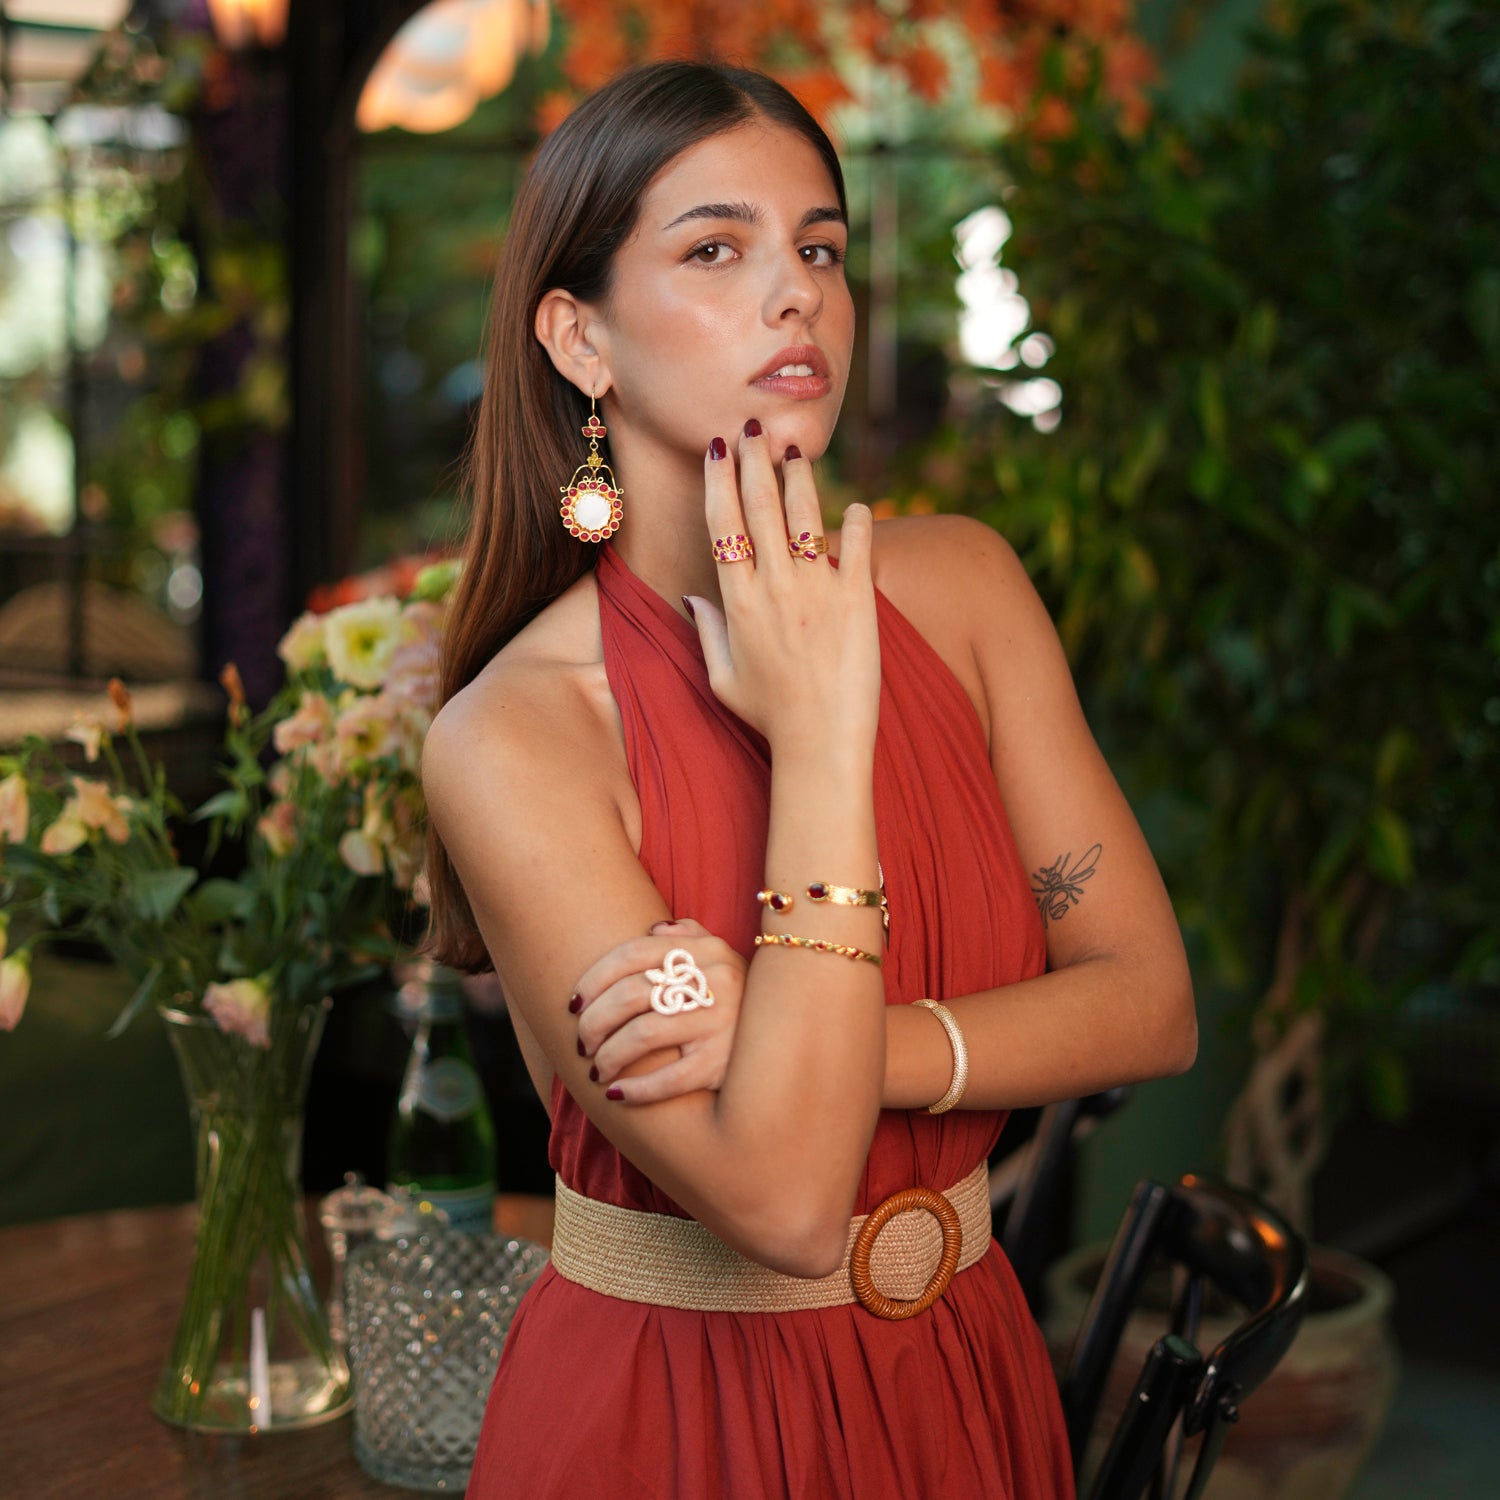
[960, 1058]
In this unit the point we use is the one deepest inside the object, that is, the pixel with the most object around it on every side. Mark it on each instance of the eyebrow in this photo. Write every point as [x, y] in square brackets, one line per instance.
[747, 213]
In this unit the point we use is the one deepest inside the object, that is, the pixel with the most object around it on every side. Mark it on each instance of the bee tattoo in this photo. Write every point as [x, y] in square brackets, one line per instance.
[1058, 888]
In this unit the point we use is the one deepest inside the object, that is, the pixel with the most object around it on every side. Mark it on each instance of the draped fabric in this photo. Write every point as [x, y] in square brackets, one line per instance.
[596, 1395]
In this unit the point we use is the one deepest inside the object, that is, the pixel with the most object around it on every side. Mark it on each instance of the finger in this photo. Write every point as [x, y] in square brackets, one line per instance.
[630, 957]
[713, 633]
[854, 539]
[612, 1009]
[687, 1075]
[684, 925]
[804, 511]
[644, 1034]
[726, 518]
[760, 499]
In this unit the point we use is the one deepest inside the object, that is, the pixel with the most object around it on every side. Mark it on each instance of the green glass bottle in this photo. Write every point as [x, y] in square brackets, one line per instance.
[442, 1145]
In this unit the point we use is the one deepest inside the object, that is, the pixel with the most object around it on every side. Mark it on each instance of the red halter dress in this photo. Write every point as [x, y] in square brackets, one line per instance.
[597, 1396]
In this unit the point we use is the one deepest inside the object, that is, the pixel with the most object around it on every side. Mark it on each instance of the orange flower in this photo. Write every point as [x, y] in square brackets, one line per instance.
[1053, 119]
[229, 680]
[927, 72]
[121, 700]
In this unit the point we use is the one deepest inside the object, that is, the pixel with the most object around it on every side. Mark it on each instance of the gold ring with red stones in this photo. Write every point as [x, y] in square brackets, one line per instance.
[734, 548]
[806, 544]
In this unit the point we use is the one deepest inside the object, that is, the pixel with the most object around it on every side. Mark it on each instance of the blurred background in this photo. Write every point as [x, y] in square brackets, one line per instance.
[1196, 301]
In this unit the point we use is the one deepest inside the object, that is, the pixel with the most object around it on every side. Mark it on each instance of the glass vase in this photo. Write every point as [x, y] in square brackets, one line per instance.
[253, 1352]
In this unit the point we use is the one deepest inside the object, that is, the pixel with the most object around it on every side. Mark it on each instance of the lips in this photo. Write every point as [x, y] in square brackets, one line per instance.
[799, 373]
[808, 355]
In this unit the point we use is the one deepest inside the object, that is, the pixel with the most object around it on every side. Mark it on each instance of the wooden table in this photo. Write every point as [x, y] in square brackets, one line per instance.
[88, 1306]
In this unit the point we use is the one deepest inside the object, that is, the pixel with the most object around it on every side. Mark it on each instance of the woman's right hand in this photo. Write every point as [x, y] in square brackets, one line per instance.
[796, 651]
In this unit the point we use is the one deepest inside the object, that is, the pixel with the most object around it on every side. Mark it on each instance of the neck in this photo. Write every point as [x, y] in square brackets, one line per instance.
[664, 537]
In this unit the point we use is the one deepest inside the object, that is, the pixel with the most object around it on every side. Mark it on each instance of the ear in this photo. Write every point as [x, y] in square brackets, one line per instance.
[568, 330]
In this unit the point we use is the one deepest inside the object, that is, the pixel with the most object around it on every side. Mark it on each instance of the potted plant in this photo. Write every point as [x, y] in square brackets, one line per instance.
[240, 967]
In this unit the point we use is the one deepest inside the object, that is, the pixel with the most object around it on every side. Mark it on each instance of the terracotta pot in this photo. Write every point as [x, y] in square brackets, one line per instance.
[1306, 1433]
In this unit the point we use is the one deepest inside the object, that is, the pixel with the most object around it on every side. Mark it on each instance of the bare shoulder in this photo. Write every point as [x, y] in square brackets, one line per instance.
[543, 701]
[949, 575]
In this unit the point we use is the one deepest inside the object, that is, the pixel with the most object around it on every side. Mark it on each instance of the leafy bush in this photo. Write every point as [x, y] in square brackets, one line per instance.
[1268, 523]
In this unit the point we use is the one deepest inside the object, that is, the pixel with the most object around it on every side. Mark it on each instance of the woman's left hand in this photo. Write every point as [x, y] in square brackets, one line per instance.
[618, 1026]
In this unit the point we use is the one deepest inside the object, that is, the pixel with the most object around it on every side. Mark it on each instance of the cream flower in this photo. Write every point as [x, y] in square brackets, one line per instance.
[95, 807]
[89, 733]
[305, 645]
[361, 853]
[242, 1008]
[361, 639]
[278, 827]
[15, 985]
[66, 834]
[366, 729]
[15, 809]
[311, 723]
[417, 659]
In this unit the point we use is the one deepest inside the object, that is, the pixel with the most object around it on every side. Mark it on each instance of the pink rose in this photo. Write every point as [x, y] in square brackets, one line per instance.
[15, 985]
[15, 809]
[241, 1008]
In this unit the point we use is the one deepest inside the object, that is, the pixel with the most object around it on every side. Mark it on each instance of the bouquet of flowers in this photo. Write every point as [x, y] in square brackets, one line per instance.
[321, 794]
[331, 829]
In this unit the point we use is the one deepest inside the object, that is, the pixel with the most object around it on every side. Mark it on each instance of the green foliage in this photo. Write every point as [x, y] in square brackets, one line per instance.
[1267, 524]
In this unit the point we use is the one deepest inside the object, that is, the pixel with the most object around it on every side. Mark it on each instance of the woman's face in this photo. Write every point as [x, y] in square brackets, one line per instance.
[728, 301]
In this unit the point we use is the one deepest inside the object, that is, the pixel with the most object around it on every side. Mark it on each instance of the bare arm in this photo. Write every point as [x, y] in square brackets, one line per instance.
[1117, 1006]
[772, 1162]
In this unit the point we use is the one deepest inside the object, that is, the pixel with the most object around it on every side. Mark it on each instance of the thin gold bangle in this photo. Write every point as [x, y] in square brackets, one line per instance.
[960, 1058]
[820, 944]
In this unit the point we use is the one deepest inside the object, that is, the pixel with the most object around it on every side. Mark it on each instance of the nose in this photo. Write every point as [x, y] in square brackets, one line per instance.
[795, 292]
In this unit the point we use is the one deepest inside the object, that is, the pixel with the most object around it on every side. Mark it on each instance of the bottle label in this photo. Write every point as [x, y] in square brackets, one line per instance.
[469, 1210]
[449, 1089]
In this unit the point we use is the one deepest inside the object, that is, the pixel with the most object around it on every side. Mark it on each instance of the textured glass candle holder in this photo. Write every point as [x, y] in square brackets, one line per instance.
[427, 1318]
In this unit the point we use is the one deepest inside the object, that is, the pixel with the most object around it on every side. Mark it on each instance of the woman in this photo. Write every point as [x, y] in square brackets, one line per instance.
[670, 701]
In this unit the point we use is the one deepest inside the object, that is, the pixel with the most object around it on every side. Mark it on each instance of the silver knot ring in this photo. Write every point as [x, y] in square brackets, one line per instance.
[679, 984]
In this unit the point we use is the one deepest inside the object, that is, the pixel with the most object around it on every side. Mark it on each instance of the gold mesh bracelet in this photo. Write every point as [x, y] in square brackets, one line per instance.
[960, 1058]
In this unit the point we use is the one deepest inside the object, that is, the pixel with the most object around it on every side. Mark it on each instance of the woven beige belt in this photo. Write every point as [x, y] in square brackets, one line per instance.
[898, 1259]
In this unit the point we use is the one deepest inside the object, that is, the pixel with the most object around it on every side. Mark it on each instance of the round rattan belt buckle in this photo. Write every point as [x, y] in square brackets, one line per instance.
[859, 1257]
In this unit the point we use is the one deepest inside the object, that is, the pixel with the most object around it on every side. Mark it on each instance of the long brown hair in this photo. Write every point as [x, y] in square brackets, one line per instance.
[577, 206]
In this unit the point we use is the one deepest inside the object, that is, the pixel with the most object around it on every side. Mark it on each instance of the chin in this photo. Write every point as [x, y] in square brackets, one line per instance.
[808, 432]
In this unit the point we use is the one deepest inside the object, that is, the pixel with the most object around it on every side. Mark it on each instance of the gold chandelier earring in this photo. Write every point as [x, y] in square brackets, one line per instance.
[591, 507]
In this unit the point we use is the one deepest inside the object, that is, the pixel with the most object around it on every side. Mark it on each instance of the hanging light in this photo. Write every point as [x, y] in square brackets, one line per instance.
[241, 24]
[448, 57]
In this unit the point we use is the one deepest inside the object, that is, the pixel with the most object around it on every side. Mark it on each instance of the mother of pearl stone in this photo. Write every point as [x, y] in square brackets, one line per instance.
[591, 510]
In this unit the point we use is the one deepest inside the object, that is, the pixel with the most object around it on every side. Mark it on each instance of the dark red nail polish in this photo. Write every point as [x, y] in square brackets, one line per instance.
[613, 1093]
[687, 604]
[718, 449]
[581, 1052]
[594, 1074]
[793, 451]
[752, 428]
[576, 1004]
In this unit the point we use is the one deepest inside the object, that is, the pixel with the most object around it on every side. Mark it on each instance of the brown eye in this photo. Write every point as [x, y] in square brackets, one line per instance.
[711, 254]
[821, 255]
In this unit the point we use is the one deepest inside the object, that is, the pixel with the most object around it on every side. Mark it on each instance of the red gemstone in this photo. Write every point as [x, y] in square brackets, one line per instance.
[817, 890]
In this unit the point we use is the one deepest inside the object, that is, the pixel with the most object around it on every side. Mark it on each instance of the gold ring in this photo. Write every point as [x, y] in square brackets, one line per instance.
[735, 548]
[944, 1212]
[806, 544]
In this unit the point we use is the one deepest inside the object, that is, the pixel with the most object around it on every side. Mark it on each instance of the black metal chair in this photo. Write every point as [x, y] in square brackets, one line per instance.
[1209, 1233]
[1031, 1181]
